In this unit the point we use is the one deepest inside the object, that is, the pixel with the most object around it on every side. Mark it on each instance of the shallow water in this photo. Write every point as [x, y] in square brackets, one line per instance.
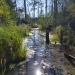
[38, 62]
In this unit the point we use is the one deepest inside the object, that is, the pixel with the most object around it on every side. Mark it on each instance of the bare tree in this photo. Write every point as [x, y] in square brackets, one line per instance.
[16, 6]
[55, 12]
[46, 8]
[25, 8]
[33, 4]
[34, 7]
[41, 8]
[38, 8]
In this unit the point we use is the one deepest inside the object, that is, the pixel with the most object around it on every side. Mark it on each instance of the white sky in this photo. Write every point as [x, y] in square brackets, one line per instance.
[20, 4]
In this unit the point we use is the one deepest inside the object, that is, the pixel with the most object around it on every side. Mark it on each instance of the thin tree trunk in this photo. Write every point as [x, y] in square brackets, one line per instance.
[38, 9]
[28, 9]
[25, 8]
[46, 9]
[16, 6]
[55, 12]
[34, 8]
[46, 13]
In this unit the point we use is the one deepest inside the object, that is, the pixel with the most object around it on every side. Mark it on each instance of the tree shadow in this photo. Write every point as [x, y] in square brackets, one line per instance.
[70, 59]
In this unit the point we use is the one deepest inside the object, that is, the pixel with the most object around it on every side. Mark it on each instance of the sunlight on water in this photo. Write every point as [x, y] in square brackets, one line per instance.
[38, 72]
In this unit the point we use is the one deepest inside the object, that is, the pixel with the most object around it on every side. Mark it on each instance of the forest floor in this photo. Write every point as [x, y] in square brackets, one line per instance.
[58, 60]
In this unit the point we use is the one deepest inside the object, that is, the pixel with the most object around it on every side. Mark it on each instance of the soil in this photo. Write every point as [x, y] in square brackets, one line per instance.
[60, 61]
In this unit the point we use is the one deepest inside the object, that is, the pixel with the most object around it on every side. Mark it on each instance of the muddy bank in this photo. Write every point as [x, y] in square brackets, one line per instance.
[60, 60]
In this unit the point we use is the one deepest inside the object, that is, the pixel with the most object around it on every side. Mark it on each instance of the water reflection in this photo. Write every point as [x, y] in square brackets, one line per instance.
[38, 72]
[39, 58]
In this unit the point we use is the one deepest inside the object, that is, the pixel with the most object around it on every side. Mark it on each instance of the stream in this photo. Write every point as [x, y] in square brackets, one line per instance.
[39, 57]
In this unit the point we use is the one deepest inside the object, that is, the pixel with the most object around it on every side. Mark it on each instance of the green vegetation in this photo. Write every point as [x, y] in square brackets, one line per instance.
[11, 42]
[61, 22]
[11, 36]
[56, 34]
[60, 19]
[24, 30]
[54, 38]
[6, 16]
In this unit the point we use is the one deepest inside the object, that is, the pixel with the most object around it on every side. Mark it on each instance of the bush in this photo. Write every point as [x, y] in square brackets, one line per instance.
[54, 38]
[11, 43]
[65, 39]
[70, 41]
[24, 30]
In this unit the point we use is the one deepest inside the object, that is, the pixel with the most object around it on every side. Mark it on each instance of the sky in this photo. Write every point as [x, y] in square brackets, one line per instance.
[20, 4]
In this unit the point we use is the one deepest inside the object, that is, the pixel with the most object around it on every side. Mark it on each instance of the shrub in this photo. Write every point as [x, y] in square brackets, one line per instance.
[65, 39]
[55, 38]
[58, 30]
[11, 43]
[24, 30]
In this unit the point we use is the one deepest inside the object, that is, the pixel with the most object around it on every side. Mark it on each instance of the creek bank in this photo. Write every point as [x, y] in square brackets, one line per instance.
[12, 64]
[17, 62]
[61, 60]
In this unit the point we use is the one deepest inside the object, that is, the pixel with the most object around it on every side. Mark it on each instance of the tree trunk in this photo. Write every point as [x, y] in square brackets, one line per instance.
[34, 8]
[47, 36]
[16, 6]
[55, 12]
[38, 9]
[25, 8]
[46, 9]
